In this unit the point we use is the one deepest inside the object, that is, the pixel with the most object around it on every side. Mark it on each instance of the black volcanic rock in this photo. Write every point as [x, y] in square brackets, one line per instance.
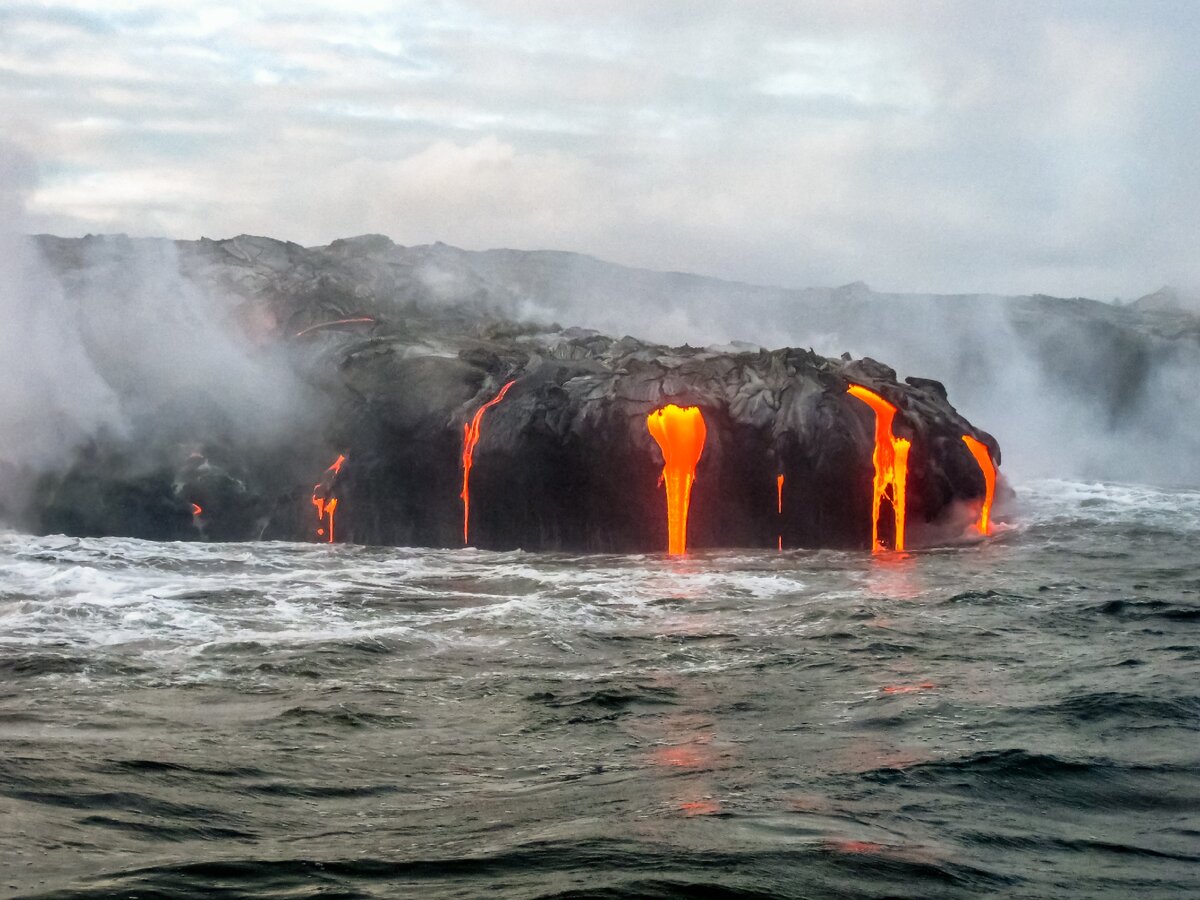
[398, 348]
[565, 460]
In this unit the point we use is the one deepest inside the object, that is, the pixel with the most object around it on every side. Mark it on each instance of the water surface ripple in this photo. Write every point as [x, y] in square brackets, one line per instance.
[1020, 717]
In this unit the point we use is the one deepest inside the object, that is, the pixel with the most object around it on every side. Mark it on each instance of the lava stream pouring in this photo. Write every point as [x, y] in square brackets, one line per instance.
[680, 433]
[890, 460]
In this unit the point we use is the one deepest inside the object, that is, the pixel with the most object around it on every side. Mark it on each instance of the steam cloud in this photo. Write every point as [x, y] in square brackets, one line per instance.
[1070, 389]
[123, 349]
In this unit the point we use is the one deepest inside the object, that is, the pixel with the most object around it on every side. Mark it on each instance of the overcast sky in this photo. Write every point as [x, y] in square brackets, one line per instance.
[957, 146]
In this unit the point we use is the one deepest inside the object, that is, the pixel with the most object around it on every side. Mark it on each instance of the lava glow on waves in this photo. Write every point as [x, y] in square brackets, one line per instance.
[983, 457]
[471, 434]
[680, 432]
[891, 465]
[326, 505]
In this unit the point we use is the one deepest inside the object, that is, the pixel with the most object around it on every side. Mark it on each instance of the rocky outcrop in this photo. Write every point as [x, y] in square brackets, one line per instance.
[565, 461]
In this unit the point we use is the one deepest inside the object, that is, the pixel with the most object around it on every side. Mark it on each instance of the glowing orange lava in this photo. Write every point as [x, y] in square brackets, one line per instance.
[680, 432]
[779, 495]
[471, 435]
[891, 465]
[334, 322]
[983, 457]
[326, 505]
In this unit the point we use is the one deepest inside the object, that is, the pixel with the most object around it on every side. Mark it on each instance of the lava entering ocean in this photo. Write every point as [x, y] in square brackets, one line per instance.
[471, 435]
[891, 465]
[326, 505]
[779, 504]
[680, 432]
[983, 457]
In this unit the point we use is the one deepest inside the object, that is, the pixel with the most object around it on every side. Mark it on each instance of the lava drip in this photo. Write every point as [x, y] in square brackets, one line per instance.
[680, 432]
[779, 503]
[983, 457]
[326, 505]
[471, 435]
[891, 465]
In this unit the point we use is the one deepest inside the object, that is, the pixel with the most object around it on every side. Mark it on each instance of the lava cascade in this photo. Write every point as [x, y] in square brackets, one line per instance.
[326, 506]
[320, 325]
[983, 457]
[471, 435]
[779, 503]
[891, 465]
[680, 433]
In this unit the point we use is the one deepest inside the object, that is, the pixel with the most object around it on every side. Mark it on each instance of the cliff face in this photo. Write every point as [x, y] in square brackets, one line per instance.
[565, 459]
[395, 350]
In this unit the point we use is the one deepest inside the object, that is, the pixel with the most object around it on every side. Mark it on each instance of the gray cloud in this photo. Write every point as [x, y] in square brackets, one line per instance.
[919, 146]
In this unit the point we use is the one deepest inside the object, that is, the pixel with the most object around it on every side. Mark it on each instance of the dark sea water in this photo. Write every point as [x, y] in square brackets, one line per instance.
[1019, 717]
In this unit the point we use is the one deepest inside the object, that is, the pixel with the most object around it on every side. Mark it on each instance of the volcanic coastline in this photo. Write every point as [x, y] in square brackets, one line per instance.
[416, 405]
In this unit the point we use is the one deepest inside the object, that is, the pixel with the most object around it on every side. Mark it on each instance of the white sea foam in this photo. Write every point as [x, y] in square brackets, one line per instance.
[193, 599]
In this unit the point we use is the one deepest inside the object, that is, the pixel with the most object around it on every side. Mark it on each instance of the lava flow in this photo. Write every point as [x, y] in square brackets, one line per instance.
[680, 432]
[326, 505]
[891, 465]
[779, 506]
[983, 457]
[471, 434]
[319, 325]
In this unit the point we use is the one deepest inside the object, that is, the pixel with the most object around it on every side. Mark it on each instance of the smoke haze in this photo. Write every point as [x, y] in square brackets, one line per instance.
[1070, 388]
[108, 344]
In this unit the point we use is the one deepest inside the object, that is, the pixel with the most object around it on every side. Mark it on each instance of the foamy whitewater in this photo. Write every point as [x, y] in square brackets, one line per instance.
[1019, 716]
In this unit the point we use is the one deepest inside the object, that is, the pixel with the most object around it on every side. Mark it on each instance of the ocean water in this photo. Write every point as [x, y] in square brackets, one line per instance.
[1016, 717]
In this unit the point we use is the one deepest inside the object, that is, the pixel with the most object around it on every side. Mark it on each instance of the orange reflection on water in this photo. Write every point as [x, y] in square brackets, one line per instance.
[908, 688]
[685, 752]
[897, 576]
[684, 756]
[700, 807]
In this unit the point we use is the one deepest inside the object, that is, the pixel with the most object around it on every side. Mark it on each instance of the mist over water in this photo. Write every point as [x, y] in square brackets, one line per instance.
[111, 351]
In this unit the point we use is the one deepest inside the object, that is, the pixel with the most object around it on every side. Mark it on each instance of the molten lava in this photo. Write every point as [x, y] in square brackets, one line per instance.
[320, 325]
[471, 435]
[680, 432]
[779, 505]
[891, 465]
[983, 457]
[326, 505]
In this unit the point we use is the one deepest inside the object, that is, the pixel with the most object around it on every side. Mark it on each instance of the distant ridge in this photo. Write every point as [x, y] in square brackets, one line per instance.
[1168, 299]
